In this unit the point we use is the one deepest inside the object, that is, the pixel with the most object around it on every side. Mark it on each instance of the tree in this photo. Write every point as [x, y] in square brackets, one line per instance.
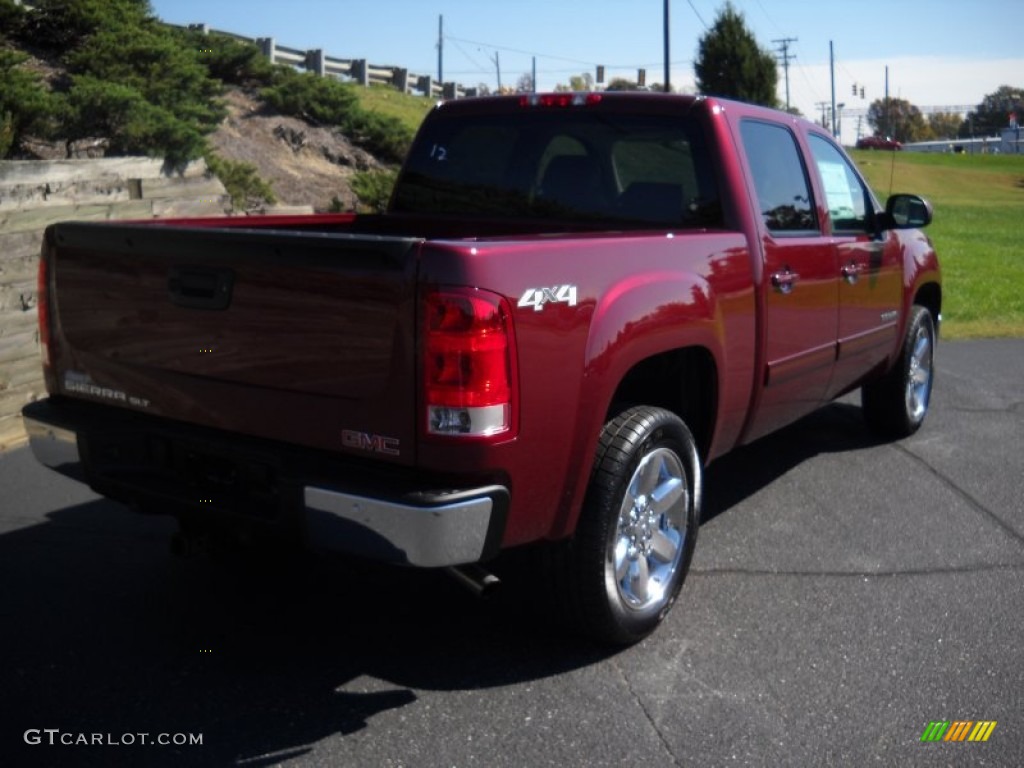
[993, 113]
[731, 64]
[129, 78]
[151, 60]
[944, 125]
[622, 84]
[898, 119]
[584, 82]
[26, 106]
[12, 18]
[62, 25]
[525, 83]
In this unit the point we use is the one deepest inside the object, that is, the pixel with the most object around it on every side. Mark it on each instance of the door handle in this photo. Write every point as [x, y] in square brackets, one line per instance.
[851, 272]
[784, 281]
[200, 287]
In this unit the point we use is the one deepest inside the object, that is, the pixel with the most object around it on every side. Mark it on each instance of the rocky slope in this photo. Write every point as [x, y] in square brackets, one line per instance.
[304, 164]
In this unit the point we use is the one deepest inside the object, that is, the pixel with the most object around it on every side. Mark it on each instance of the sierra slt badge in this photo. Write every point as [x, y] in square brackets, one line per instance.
[362, 441]
[82, 384]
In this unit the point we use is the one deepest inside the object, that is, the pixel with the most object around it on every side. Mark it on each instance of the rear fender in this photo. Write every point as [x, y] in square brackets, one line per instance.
[643, 316]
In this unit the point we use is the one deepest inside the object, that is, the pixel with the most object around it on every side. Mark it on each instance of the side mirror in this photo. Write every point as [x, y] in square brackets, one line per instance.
[907, 212]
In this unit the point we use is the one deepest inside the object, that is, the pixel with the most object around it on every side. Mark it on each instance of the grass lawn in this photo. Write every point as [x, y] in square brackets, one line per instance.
[978, 232]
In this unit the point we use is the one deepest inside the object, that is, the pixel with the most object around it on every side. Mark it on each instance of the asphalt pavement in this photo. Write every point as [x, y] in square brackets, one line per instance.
[844, 595]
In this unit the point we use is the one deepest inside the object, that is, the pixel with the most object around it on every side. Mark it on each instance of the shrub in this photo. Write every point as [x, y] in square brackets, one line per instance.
[373, 188]
[228, 60]
[384, 136]
[242, 182]
[312, 98]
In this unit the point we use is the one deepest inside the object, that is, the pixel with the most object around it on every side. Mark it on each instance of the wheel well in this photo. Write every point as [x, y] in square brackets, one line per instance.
[929, 296]
[683, 381]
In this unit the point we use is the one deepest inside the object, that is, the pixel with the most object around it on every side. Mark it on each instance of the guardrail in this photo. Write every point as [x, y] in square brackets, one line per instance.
[357, 70]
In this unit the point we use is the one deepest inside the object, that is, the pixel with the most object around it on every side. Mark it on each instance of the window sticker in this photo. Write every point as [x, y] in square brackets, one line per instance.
[837, 190]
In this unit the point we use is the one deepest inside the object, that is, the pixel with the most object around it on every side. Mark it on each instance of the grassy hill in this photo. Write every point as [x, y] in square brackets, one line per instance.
[978, 202]
[383, 100]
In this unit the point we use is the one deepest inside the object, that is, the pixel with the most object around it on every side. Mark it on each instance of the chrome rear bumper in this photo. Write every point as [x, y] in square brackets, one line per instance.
[426, 529]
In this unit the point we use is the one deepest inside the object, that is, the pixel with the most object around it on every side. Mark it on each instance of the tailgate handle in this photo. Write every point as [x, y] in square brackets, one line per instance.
[200, 287]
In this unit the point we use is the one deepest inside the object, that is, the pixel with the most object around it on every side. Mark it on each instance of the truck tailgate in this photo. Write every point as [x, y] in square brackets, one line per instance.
[299, 336]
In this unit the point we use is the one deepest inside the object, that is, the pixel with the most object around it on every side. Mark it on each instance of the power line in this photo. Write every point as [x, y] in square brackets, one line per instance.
[697, 13]
[520, 50]
[466, 53]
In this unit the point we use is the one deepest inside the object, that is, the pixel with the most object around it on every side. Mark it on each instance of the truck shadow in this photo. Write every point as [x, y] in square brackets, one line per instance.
[107, 632]
[740, 474]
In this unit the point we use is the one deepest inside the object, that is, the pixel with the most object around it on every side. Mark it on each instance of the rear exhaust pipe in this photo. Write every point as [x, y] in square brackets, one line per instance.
[476, 579]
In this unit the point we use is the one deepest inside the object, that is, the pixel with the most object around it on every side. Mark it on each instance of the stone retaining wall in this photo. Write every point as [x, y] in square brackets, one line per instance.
[35, 194]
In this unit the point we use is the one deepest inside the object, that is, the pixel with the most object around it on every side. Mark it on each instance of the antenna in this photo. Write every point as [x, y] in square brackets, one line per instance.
[668, 74]
[892, 171]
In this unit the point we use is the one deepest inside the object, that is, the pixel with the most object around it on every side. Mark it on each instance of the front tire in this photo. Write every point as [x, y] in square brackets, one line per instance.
[895, 405]
[638, 527]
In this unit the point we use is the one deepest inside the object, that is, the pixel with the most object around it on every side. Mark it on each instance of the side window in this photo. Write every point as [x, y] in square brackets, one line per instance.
[783, 194]
[846, 197]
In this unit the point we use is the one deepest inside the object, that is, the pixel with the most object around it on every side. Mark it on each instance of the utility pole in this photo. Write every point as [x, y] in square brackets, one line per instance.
[832, 71]
[668, 85]
[888, 106]
[823, 106]
[533, 76]
[785, 57]
[497, 66]
[440, 50]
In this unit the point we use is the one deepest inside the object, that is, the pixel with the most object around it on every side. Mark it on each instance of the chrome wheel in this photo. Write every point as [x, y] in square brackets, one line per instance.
[650, 537]
[919, 374]
[895, 404]
[623, 568]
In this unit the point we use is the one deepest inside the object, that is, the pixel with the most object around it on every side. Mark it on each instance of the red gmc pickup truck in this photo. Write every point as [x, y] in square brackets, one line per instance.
[574, 303]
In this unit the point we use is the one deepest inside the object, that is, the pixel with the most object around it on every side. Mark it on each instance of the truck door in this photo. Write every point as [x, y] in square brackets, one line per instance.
[870, 269]
[800, 279]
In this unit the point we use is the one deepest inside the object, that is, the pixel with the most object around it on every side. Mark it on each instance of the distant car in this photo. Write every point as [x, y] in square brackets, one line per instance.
[878, 142]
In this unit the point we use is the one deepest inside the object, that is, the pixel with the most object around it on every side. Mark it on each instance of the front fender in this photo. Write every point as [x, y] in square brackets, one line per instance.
[922, 276]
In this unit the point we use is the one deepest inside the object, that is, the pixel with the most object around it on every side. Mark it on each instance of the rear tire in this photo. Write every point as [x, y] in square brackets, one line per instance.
[895, 405]
[638, 528]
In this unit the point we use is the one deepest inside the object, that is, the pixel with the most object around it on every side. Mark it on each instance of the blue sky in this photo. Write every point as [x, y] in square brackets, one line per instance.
[939, 52]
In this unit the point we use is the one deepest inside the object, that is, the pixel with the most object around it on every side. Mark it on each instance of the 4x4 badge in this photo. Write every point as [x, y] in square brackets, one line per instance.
[538, 297]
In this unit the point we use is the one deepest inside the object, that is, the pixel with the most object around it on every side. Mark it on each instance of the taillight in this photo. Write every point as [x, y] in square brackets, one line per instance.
[43, 307]
[468, 363]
